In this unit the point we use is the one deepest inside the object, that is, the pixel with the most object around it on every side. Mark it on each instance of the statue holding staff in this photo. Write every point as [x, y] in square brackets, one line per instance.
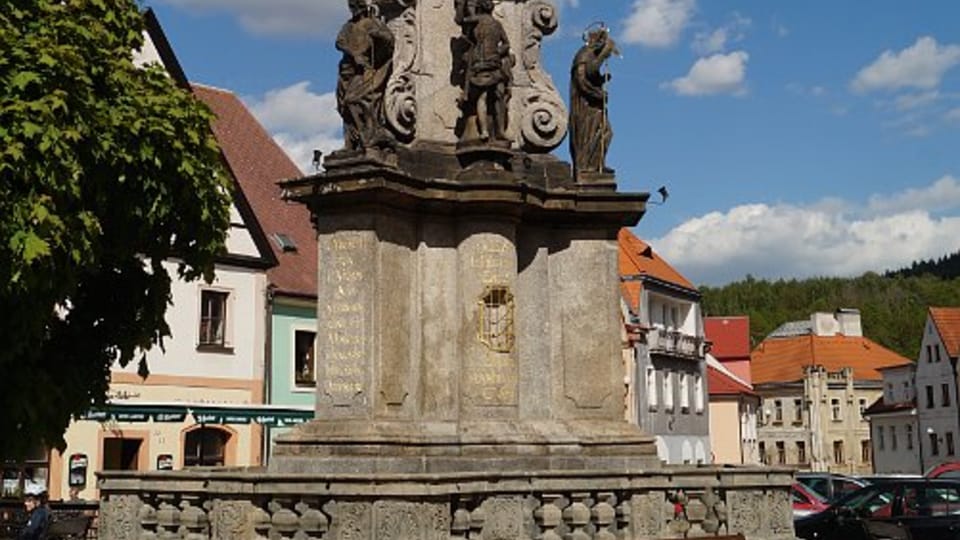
[367, 46]
[590, 132]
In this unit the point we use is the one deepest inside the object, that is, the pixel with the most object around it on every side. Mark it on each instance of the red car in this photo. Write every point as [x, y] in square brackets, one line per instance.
[806, 502]
[945, 470]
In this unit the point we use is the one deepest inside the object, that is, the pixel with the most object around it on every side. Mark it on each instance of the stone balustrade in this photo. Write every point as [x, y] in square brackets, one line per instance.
[689, 502]
[675, 343]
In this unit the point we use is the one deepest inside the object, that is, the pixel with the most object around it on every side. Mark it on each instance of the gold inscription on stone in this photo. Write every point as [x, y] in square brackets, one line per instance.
[492, 381]
[342, 329]
[490, 261]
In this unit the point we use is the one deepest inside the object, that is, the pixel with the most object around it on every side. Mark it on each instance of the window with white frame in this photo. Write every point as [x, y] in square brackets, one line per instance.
[213, 318]
[304, 359]
[684, 392]
[698, 393]
[667, 390]
[651, 379]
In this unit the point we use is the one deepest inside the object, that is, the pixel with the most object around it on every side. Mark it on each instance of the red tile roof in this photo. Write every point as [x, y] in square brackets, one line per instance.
[258, 163]
[730, 336]
[637, 258]
[783, 359]
[947, 321]
[721, 384]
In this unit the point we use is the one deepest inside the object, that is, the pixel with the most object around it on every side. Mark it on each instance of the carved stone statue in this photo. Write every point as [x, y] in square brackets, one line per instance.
[367, 45]
[487, 76]
[590, 132]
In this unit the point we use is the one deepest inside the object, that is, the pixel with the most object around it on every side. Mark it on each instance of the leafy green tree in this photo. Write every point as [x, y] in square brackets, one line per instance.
[106, 170]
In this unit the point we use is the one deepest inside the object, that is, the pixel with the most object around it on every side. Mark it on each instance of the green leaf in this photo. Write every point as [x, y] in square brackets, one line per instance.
[23, 79]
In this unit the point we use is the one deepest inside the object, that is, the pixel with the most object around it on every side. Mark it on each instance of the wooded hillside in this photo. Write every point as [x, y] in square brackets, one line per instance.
[893, 306]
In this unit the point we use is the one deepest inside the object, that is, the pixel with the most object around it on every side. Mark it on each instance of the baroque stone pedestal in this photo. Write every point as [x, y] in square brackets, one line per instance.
[466, 326]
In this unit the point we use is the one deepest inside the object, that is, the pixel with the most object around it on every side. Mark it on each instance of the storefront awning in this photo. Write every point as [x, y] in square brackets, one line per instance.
[267, 415]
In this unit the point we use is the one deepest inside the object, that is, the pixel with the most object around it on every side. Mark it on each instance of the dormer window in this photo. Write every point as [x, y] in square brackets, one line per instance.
[286, 244]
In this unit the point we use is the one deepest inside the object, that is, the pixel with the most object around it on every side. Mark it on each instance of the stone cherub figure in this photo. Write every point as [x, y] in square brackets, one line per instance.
[487, 78]
[590, 132]
[367, 46]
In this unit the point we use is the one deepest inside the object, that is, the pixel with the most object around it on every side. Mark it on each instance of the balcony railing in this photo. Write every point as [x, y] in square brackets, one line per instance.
[675, 343]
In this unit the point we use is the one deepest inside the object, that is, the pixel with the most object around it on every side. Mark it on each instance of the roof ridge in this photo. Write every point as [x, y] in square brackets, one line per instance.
[206, 86]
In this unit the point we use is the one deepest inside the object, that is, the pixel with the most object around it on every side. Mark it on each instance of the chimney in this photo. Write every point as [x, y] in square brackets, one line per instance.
[849, 322]
[824, 324]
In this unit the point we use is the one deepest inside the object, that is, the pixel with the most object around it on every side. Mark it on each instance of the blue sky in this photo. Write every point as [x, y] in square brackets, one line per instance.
[799, 138]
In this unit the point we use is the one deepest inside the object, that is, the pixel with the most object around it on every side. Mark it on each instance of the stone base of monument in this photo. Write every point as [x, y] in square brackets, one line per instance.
[391, 447]
[669, 502]
[605, 180]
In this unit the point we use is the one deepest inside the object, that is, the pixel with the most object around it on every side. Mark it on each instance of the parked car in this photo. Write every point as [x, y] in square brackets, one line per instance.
[911, 509]
[885, 478]
[806, 502]
[945, 470]
[831, 487]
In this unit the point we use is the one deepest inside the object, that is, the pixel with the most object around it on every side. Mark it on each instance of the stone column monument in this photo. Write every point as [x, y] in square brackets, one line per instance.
[466, 322]
[470, 376]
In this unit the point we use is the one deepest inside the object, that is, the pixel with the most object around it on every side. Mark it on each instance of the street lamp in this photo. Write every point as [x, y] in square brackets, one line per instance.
[930, 431]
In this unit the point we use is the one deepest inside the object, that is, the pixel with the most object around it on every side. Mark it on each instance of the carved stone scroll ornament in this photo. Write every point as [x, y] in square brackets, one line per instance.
[400, 105]
[543, 123]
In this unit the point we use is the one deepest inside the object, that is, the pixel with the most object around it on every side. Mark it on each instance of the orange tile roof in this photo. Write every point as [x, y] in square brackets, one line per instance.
[730, 336]
[258, 163]
[637, 258]
[721, 384]
[783, 359]
[947, 321]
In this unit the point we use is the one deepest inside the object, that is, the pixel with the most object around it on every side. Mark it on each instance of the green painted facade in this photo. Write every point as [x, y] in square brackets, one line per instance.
[286, 320]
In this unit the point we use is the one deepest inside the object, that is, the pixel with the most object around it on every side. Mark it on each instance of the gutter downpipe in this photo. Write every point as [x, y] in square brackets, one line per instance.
[267, 368]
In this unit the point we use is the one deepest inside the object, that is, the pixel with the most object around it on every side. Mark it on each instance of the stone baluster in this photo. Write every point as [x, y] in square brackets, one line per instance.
[194, 520]
[678, 525]
[148, 522]
[604, 517]
[477, 518]
[460, 524]
[624, 517]
[549, 517]
[696, 514]
[577, 517]
[712, 522]
[260, 520]
[285, 522]
[313, 522]
[168, 522]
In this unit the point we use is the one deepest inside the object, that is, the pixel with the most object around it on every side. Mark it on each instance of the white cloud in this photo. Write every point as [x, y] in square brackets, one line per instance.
[953, 115]
[710, 42]
[279, 17]
[825, 239]
[943, 194]
[906, 102]
[658, 23]
[921, 65]
[705, 43]
[301, 121]
[717, 74]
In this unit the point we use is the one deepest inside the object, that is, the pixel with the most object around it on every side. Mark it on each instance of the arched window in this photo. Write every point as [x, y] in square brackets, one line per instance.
[206, 447]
